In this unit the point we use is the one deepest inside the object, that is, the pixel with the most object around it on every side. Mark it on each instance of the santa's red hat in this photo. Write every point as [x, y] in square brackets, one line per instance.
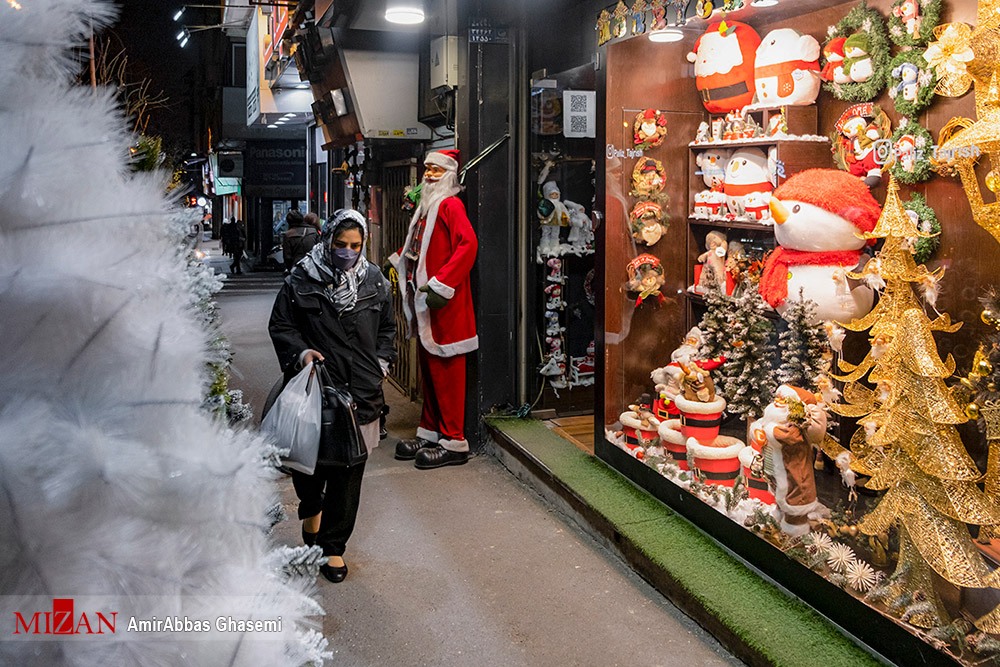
[447, 159]
[836, 191]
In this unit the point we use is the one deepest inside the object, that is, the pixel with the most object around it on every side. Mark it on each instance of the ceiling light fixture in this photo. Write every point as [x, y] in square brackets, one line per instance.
[666, 35]
[404, 12]
[763, 3]
[272, 126]
[177, 15]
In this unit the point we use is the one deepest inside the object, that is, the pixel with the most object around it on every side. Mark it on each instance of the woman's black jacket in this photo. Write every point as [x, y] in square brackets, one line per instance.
[303, 317]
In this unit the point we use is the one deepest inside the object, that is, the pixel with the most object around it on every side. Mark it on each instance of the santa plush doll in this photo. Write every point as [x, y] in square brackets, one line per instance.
[723, 60]
[786, 68]
[793, 424]
[434, 266]
[818, 215]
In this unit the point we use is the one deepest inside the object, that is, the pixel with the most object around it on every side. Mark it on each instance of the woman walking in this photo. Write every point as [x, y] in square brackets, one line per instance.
[335, 308]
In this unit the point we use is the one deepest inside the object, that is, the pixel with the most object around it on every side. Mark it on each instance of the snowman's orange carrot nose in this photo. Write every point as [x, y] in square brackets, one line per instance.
[778, 211]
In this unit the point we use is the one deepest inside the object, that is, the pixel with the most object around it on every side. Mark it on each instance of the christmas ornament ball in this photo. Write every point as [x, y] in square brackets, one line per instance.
[989, 317]
[972, 411]
[984, 367]
[991, 181]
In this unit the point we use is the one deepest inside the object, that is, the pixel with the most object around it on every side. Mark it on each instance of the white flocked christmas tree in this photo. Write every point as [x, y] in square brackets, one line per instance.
[747, 377]
[117, 487]
[802, 346]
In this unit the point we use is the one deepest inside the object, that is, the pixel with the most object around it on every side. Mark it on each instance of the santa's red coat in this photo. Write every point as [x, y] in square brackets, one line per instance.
[447, 253]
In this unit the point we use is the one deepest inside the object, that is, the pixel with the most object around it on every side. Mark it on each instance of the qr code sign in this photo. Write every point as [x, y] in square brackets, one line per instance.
[578, 124]
[578, 104]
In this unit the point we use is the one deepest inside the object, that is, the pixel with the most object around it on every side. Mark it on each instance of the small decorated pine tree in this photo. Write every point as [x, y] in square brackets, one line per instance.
[801, 346]
[747, 377]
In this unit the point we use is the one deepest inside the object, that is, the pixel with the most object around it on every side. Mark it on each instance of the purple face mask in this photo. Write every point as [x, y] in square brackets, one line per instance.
[344, 258]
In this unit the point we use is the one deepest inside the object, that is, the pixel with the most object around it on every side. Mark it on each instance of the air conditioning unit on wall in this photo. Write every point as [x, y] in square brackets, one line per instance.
[231, 165]
[444, 62]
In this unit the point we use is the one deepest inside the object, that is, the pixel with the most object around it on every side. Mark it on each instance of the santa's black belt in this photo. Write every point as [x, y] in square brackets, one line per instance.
[757, 484]
[700, 423]
[678, 456]
[725, 92]
[720, 475]
[636, 441]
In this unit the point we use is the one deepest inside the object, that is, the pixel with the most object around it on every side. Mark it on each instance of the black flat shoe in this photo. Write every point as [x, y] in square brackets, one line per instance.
[308, 539]
[437, 457]
[334, 574]
[407, 449]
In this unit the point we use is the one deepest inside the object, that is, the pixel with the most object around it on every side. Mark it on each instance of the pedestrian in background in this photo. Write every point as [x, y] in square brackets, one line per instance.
[234, 240]
[300, 237]
[335, 307]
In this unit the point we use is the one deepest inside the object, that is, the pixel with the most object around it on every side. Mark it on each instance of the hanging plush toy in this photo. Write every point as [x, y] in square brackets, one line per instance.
[723, 60]
[645, 276]
[647, 222]
[746, 173]
[786, 68]
[833, 53]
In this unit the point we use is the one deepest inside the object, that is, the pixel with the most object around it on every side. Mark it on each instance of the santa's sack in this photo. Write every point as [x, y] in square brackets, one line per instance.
[295, 420]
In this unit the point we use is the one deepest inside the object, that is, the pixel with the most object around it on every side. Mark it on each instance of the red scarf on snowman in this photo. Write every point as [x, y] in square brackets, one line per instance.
[774, 277]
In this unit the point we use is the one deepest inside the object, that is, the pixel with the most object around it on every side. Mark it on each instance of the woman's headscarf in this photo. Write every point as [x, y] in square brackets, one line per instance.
[341, 286]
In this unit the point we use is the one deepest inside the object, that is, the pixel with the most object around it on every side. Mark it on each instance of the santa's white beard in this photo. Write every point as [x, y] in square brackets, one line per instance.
[434, 192]
[684, 354]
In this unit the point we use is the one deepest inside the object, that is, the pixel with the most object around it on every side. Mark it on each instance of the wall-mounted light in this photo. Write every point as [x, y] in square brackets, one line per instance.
[178, 13]
[666, 35]
[404, 12]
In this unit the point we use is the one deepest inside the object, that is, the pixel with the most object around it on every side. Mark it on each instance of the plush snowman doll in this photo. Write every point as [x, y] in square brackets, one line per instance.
[723, 60]
[746, 172]
[786, 68]
[907, 87]
[712, 164]
[818, 215]
[857, 60]
[755, 206]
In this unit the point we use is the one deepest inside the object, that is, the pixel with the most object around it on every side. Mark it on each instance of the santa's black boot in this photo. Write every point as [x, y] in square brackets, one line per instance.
[406, 450]
[438, 457]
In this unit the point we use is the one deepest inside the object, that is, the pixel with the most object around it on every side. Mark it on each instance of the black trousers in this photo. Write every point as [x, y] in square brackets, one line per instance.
[237, 264]
[335, 491]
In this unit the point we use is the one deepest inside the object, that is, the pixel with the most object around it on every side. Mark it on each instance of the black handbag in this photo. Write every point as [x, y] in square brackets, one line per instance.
[340, 440]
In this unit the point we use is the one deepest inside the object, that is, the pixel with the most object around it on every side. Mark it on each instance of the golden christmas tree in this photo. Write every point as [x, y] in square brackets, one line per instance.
[907, 442]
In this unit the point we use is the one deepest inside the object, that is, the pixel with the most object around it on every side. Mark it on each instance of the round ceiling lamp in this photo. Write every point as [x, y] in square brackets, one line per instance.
[666, 35]
[404, 12]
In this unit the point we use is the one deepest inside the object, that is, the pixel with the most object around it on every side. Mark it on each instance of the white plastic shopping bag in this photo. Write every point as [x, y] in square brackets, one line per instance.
[295, 420]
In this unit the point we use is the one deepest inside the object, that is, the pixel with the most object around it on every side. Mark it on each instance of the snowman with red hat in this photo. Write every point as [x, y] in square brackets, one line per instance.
[723, 60]
[819, 215]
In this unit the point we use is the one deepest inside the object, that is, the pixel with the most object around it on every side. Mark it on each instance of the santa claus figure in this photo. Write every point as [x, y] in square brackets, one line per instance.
[723, 60]
[818, 215]
[434, 266]
[746, 172]
[793, 424]
[786, 68]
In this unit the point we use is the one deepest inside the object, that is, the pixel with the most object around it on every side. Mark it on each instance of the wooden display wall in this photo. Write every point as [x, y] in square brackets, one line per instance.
[643, 74]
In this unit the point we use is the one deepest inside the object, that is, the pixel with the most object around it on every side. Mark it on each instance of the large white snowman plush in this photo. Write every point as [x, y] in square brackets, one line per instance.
[746, 173]
[819, 215]
[786, 69]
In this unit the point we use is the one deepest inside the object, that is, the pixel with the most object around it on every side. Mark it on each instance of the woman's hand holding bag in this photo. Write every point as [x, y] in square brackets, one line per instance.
[295, 420]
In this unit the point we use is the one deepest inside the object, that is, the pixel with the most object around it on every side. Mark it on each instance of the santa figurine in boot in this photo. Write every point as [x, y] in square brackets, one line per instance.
[793, 425]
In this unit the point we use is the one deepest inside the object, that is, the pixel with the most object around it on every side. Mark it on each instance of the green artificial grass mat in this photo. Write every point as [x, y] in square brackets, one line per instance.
[782, 630]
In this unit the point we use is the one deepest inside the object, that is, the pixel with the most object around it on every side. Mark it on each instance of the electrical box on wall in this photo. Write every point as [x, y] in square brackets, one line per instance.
[444, 62]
